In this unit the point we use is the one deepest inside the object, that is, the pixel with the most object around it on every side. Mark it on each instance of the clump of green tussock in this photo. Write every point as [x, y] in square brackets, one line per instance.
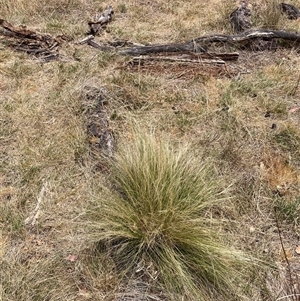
[158, 217]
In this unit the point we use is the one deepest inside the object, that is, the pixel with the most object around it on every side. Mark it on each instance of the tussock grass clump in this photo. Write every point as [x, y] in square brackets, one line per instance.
[160, 217]
[270, 15]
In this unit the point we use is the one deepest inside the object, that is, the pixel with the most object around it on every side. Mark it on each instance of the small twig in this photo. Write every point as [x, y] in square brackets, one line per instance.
[294, 293]
[288, 296]
[32, 219]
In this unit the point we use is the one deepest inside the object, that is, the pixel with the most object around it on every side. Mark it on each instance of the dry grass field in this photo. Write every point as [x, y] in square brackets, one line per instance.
[200, 197]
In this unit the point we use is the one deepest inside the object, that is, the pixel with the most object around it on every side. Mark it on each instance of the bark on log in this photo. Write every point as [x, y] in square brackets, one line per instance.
[172, 49]
[22, 39]
[233, 56]
[23, 33]
[200, 45]
[181, 59]
[101, 137]
[207, 58]
[250, 35]
[143, 50]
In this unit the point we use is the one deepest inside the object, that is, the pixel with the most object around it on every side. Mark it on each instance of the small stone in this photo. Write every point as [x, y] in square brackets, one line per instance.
[251, 229]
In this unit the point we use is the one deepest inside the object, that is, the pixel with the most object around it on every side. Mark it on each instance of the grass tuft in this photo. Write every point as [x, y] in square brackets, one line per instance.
[158, 217]
[288, 210]
[270, 15]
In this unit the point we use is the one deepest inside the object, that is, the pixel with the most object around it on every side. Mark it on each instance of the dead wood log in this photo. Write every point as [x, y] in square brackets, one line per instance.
[29, 41]
[200, 45]
[249, 35]
[255, 39]
[201, 58]
[101, 137]
[240, 18]
[181, 59]
[291, 11]
[144, 50]
[101, 21]
[23, 33]
[233, 56]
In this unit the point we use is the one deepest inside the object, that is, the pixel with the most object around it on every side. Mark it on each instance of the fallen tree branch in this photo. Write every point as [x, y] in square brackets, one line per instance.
[183, 54]
[23, 33]
[200, 45]
[250, 35]
[181, 59]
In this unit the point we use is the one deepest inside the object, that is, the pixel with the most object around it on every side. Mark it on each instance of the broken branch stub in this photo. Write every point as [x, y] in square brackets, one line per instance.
[100, 23]
[240, 18]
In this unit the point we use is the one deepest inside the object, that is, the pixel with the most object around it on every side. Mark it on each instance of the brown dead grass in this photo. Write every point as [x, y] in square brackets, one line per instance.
[220, 110]
[278, 173]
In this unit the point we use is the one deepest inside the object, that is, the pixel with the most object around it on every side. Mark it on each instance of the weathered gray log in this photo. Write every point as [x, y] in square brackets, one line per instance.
[143, 50]
[248, 36]
[291, 11]
[233, 56]
[100, 22]
[100, 135]
[240, 18]
[200, 45]
[181, 59]
[169, 50]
